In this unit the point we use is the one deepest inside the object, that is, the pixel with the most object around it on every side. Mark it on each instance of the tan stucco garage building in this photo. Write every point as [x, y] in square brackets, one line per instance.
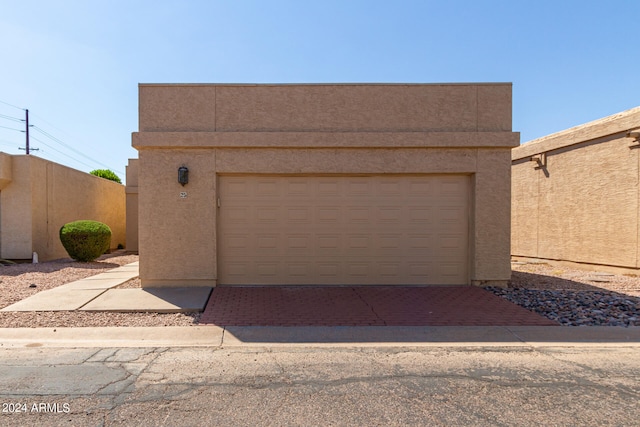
[324, 184]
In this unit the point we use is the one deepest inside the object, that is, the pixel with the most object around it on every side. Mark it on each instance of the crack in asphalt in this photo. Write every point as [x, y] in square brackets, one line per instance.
[128, 390]
[269, 382]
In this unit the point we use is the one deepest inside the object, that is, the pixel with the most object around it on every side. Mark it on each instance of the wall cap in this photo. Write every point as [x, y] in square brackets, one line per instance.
[615, 123]
[338, 140]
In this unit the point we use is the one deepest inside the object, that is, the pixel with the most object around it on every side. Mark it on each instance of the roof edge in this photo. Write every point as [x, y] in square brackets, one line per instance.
[329, 84]
[615, 123]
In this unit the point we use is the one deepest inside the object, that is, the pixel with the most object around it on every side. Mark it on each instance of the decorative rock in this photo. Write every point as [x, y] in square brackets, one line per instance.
[577, 308]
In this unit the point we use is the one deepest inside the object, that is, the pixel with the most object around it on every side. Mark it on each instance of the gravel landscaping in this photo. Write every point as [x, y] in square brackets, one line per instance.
[574, 297]
[568, 296]
[17, 282]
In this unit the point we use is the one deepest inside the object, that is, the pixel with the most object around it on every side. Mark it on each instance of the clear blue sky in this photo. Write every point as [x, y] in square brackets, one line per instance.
[76, 64]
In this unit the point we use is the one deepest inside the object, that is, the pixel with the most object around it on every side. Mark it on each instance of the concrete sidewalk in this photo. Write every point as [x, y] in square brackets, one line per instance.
[97, 293]
[319, 336]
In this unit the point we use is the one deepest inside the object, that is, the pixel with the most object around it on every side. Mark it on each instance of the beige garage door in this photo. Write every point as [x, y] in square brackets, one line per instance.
[337, 230]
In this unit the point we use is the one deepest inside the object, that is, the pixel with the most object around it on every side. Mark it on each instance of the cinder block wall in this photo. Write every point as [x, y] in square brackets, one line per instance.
[579, 202]
[41, 196]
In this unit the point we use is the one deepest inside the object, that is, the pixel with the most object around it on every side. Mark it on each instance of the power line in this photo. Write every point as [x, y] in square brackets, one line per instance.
[7, 143]
[50, 124]
[58, 151]
[47, 134]
[51, 137]
[4, 127]
[15, 119]
[11, 105]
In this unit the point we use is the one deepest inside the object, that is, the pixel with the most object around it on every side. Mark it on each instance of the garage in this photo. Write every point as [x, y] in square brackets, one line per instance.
[338, 230]
[324, 184]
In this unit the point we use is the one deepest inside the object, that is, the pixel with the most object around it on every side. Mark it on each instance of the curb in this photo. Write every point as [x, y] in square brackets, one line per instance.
[311, 336]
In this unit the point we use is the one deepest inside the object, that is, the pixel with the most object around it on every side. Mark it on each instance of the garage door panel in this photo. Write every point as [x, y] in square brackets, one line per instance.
[240, 214]
[268, 269]
[238, 187]
[451, 273]
[298, 187]
[299, 243]
[266, 215]
[299, 214]
[329, 188]
[328, 215]
[389, 243]
[388, 270]
[358, 241]
[301, 269]
[238, 242]
[419, 269]
[419, 189]
[329, 270]
[343, 230]
[235, 269]
[389, 215]
[267, 242]
[419, 214]
[390, 188]
[451, 242]
[328, 243]
[359, 214]
[453, 214]
[358, 188]
[423, 242]
[268, 188]
[358, 271]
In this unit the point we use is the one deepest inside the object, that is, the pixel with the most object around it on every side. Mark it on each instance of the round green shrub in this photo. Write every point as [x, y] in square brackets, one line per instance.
[85, 240]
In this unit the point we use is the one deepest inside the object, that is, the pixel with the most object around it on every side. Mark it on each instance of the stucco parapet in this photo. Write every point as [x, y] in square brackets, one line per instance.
[147, 140]
[325, 107]
[616, 123]
[6, 175]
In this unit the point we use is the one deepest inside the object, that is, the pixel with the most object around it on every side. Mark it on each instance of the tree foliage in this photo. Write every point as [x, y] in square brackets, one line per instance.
[106, 174]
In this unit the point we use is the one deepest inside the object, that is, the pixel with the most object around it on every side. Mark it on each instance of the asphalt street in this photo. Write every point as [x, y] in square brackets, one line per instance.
[325, 385]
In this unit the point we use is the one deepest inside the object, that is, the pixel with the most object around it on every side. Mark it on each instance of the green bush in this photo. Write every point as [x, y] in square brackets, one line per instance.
[85, 240]
[106, 174]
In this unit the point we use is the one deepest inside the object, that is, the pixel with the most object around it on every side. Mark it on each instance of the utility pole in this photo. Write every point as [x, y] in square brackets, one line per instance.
[27, 148]
[27, 131]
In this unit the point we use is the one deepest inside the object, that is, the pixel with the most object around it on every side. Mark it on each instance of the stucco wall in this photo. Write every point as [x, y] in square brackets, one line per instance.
[43, 196]
[16, 213]
[313, 129]
[132, 205]
[325, 108]
[583, 204]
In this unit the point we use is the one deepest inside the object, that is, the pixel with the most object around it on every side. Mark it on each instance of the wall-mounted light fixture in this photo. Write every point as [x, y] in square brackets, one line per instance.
[183, 175]
[635, 134]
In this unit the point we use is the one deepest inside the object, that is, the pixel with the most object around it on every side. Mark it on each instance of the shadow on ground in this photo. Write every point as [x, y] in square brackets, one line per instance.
[572, 303]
